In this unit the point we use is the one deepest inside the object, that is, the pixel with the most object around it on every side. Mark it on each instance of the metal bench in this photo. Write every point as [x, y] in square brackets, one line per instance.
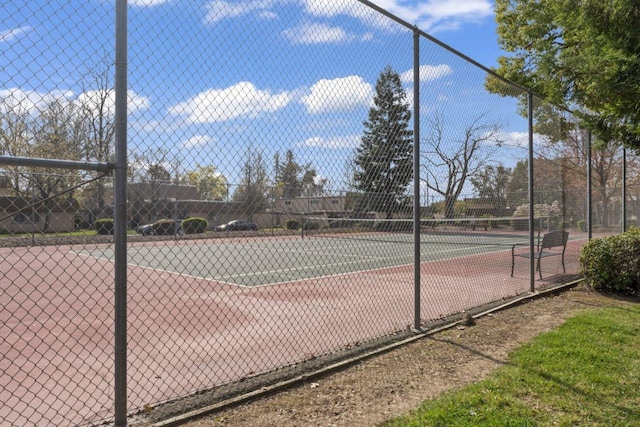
[553, 243]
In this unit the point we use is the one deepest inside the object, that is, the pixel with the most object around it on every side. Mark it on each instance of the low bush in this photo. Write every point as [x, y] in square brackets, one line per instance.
[103, 226]
[519, 223]
[582, 225]
[165, 227]
[612, 263]
[341, 223]
[292, 224]
[80, 223]
[311, 225]
[194, 225]
[488, 222]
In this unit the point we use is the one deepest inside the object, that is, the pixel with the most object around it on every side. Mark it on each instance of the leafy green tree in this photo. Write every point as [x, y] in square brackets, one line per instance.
[518, 186]
[211, 184]
[491, 182]
[311, 184]
[57, 133]
[384, 158]
[583, 54]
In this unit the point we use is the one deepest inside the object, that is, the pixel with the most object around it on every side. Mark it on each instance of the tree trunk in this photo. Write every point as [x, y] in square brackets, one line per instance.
[449, 207]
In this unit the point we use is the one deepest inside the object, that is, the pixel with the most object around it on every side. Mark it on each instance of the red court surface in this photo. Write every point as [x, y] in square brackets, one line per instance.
[187, 334]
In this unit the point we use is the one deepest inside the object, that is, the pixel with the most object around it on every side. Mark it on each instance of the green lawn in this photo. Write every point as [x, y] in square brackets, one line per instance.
[587, 372]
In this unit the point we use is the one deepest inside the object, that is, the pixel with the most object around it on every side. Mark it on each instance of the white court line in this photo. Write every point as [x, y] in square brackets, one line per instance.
[223, 278]
[158, 270]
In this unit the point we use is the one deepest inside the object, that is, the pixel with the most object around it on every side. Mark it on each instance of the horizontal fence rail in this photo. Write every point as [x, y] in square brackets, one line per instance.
[243, 192]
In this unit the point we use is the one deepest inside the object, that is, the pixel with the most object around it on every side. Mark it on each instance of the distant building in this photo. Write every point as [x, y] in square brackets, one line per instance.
[17, 217]
[492, 206]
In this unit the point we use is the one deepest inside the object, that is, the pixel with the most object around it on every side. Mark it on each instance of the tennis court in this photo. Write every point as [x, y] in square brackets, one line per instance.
[271, 260]
[361, 285]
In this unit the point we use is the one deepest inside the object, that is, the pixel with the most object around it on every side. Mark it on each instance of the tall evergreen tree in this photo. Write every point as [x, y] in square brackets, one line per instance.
[384, 158]
[289, 177]
[251, 195]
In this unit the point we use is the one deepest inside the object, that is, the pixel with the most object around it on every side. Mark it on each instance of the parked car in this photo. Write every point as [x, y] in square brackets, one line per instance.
[162, 227]
[145, 229]
[237, 225]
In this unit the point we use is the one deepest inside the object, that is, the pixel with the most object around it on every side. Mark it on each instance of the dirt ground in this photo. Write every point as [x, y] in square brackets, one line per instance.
[394, 383]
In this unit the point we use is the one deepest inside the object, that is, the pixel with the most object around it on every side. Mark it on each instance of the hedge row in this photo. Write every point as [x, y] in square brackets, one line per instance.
[163, 227]
[103, 226]
[194, 225]
[613, 263]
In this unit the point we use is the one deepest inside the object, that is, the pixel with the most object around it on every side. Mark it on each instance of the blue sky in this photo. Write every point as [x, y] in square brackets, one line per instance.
[210, 80]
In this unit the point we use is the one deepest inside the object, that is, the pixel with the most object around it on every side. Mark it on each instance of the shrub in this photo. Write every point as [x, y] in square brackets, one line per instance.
[80, 223]
[194, 225]
[521, 214]
[165, 227]
[103, 226]
[292, 224]
[311, 225]
[341, 223]
[582, 225]
[611, 263]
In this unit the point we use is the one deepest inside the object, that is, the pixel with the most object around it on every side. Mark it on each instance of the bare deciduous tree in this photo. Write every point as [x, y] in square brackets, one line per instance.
[448, 161]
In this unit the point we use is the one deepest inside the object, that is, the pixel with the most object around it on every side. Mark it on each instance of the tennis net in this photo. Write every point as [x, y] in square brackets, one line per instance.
[477, 231]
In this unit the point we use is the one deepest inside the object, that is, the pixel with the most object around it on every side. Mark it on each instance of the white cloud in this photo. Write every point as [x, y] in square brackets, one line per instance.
[9, 35]
[29, 100]
[143, 3]
[198, 141]
[93, 98]
[340, 142]
[465, 9]
[520, 139]
[241, 99]
[33, 102]
[329, 9]
[219, 10]
[316, 33]
[265, 14]
[341, 94]
[429, 15]
[428, 73]
[442, 15]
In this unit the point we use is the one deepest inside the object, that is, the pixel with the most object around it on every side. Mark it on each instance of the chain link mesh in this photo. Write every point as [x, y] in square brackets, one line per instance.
[270, 202]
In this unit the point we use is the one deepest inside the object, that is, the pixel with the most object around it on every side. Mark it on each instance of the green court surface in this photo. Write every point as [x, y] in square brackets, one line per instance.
[262, 261]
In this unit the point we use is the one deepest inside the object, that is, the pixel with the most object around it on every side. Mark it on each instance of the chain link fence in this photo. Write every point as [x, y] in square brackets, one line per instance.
[303, 181]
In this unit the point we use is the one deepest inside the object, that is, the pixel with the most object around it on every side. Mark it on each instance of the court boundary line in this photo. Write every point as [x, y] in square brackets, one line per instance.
[239, 285]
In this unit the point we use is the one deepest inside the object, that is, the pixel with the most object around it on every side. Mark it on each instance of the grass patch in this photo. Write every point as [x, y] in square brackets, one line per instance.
[587, 372]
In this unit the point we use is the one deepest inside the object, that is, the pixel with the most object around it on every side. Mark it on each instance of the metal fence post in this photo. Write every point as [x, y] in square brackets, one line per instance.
[532, 264]
[416, 177]
[120, 217]
[623, 208]
[589, 195]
